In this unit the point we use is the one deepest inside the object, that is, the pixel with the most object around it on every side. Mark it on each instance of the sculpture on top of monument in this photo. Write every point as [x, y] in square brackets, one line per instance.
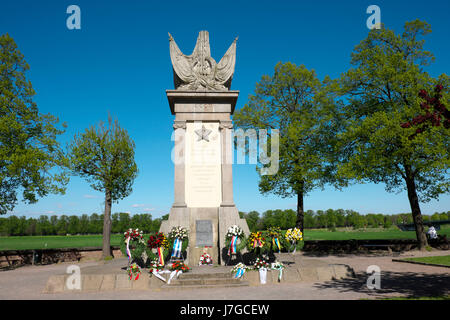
[199, 71]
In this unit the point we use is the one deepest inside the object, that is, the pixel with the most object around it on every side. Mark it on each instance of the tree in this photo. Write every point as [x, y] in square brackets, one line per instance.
[253, 220]
[105, 157]
[84, 224]
[29, 151]
[382, 93]
[115, 227]
[124, 221]
[62, 225]
[297, 104]
[269, 219]
[73, 226]
[44, 227]
[310, 221]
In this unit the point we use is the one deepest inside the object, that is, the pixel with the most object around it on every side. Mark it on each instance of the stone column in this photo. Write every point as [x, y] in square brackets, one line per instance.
[179, 164]
[227, 163]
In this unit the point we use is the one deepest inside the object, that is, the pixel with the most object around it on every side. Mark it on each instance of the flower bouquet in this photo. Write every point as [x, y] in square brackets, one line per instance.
[179, 266]
[205, 259]
[234, 233]
[240, 265]
[134, 234]
[134, 270]
[178, 232]
[274, 233]
[178, 241]
[278, 266]
[261, 265]
[293, 236]
[155, 266]
[157, 240]
[239, 269]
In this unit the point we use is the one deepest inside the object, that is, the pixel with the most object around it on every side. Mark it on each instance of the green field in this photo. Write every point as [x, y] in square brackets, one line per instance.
[442, 260]
[53, 242]
[367, 234]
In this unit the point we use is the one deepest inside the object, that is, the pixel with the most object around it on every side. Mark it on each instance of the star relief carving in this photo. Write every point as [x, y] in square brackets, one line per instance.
[203, 134]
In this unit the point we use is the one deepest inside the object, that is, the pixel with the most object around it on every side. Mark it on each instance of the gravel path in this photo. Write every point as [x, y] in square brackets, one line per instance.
[397, 279]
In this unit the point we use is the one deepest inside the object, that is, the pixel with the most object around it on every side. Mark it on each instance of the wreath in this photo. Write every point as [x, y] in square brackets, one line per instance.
[136, 245]
[277, 239]
[293, 238]
[156, 241]
[235, 233]
[256, 242]
[178, 233]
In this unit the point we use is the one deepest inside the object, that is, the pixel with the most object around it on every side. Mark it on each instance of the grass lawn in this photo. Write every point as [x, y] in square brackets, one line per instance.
[53, 242]
[368, 234]
[442, 260]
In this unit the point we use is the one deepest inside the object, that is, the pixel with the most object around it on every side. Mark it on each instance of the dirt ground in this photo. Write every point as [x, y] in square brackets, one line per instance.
[397, 279]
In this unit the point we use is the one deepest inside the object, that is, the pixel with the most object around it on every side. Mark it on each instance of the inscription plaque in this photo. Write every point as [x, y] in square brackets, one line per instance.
[203, 169]
[204, 233]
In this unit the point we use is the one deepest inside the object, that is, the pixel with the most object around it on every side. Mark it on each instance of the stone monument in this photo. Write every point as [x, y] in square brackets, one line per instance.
[203, 103]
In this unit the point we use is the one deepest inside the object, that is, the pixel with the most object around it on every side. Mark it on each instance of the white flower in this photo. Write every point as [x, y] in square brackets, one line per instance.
[234, 231]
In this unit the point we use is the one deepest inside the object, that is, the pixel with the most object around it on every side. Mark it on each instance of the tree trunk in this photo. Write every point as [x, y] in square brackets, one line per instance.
[107, 226]
[415, 209]
[300, 213]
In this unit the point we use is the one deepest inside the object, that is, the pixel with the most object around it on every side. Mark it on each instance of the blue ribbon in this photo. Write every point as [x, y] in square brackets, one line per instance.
[239, 273]
[176, 251]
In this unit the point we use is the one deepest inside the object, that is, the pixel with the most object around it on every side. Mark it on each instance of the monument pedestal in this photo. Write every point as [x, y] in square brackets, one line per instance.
[203, 158]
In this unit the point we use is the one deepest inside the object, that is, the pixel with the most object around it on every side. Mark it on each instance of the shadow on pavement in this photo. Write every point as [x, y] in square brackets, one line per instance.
[410, 284]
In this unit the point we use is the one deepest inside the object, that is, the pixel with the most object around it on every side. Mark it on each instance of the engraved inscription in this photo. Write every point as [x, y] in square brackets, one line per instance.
[204, 107]
[203, 165]
[204, 233]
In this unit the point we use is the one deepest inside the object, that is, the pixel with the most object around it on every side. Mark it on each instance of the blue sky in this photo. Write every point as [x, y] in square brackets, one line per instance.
[119, 62]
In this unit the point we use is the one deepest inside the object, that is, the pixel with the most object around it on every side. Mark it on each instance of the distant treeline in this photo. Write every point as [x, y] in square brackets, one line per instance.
[84, 224]
[285, 219]
[331, 219]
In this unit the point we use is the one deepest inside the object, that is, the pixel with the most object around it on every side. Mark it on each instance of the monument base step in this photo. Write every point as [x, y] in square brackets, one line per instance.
[204, 286]
[205, 280]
